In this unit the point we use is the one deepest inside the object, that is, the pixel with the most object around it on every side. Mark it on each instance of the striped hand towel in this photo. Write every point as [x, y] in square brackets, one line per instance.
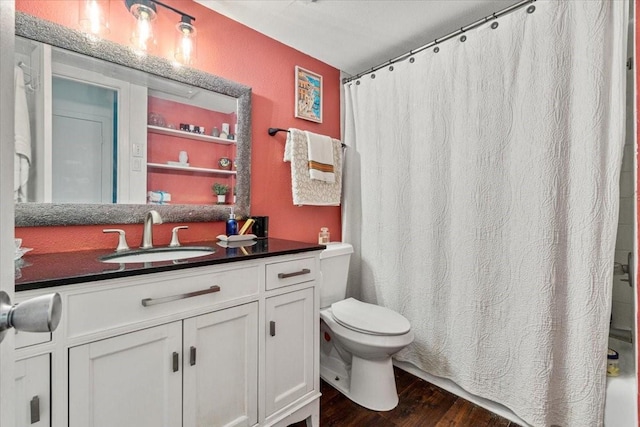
[320, 150]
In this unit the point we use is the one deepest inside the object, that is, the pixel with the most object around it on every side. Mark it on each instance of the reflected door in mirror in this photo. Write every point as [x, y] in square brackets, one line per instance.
[83, 160]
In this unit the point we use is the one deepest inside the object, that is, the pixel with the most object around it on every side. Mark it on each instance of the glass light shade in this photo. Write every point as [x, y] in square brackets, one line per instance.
[93, 16]
[185, 43]
[143, 38]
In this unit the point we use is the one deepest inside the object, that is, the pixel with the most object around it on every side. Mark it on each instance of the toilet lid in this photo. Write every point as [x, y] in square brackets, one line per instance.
[369, 318]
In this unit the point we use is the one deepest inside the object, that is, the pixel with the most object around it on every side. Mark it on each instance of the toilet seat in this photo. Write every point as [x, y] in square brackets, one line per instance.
[369, 318]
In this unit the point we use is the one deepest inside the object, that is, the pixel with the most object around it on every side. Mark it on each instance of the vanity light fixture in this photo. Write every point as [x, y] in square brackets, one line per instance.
[185, 41]
[145, 12]
[93, 16]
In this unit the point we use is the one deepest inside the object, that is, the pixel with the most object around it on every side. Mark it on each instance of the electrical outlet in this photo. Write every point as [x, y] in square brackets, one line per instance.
[137, 150]
[136, 166]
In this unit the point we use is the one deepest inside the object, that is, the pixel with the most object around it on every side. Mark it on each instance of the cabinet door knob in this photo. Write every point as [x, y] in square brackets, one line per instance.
[192, 356]
[34, 407]
[272, 328]
[176, 361]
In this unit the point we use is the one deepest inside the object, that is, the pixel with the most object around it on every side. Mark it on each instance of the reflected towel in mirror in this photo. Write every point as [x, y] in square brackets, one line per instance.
[22, 139]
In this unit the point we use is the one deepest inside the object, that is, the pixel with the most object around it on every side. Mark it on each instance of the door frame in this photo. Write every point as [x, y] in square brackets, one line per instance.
[7, 97]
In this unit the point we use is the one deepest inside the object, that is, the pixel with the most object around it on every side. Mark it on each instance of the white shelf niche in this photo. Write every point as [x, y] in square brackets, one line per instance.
[189, 135]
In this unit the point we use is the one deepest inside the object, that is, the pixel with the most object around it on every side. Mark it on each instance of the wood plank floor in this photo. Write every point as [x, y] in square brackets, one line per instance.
[421, 405]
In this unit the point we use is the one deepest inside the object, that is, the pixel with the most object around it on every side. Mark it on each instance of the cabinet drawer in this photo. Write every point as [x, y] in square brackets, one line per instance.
[97, 310]
[26, 339]
[288, 273]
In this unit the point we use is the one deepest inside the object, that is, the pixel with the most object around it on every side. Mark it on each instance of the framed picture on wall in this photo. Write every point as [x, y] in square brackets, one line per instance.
[308, 95]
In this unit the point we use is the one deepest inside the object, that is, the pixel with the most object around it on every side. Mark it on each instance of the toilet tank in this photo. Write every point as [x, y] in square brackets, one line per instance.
[334, 264]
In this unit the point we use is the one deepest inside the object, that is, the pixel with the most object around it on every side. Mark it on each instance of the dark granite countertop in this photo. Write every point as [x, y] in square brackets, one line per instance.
[56, 269]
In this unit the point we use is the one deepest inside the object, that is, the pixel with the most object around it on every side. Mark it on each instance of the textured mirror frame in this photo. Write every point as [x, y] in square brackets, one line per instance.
[49, 214]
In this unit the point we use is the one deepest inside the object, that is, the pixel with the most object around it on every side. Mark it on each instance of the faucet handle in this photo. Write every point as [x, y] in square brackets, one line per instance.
[122, 240]
[174, 235]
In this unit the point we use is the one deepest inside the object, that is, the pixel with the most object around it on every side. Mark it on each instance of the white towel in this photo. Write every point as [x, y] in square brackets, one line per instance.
[22, 133]
[320, 150]
[158, 197]
[307, 191]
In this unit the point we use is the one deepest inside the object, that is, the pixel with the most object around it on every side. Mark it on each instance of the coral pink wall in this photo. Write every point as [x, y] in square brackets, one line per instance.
[236, 52]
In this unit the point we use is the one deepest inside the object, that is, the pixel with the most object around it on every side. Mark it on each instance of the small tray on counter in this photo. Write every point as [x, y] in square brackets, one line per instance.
[236, 237]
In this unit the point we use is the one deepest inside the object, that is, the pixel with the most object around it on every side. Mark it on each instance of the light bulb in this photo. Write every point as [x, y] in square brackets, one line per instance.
[145, 32]
[143, 37]
[93, 16]
[186, 45]
[185, 42]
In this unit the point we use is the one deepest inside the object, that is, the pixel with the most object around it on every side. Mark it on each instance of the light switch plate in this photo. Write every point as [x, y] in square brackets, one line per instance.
[137, 150]
[136, 165]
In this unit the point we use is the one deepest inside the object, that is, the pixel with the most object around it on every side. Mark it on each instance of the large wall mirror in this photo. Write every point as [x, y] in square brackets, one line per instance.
[114, 134]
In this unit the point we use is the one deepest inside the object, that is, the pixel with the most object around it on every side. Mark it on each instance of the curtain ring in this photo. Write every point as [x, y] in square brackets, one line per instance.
[436, 49]
[494, 25]
[531, 9]
[357, 82]
[412, 60]
[391, 68]
[373, 76]
[463, 39]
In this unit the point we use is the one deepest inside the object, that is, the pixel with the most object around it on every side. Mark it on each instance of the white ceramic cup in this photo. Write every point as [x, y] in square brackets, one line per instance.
[183, 157]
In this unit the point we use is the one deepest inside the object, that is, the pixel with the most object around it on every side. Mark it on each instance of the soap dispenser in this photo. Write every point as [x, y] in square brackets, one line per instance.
[232, 224]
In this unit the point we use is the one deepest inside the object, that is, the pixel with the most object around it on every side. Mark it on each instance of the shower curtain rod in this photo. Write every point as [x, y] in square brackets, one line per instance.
[479, 22]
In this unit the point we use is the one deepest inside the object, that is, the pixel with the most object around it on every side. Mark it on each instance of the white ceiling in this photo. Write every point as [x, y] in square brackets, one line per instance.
[355, 35]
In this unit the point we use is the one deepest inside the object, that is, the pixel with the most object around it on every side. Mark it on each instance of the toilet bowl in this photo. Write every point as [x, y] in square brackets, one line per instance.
[357, 338]
[358, 363]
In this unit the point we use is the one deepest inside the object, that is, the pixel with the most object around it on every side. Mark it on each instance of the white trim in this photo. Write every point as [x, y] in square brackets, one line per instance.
[7, 97]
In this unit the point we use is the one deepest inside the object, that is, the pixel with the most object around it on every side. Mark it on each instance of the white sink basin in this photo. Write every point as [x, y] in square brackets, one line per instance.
[157, 254]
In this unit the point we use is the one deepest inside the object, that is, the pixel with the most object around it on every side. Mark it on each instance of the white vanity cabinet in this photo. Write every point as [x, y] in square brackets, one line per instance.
[223, 345]
[205, 364]
[128, 380]
[291, 327]
[289, 348]
[33, 398]
[32, 377]
[221, 368]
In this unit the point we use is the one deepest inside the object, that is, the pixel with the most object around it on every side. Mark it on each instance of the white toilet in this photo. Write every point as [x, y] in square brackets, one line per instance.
[357, 339]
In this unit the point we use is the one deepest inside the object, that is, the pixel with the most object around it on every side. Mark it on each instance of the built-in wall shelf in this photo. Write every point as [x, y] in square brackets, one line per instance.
[189, 135]
[190, 169]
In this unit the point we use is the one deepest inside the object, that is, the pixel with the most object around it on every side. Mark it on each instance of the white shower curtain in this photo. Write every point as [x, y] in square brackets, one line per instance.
[482, 198]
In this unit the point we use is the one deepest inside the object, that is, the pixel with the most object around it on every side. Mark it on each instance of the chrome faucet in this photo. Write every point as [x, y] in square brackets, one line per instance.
[150, 218]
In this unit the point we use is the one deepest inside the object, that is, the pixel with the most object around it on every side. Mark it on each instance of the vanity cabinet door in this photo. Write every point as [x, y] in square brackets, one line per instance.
[221, 368]
[33, 397]
[289, 347]
[133, 379]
